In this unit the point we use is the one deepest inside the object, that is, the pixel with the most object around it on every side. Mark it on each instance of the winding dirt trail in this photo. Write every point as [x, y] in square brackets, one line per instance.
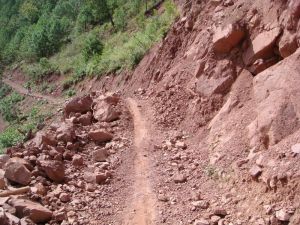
[141, 209]
[21, 90]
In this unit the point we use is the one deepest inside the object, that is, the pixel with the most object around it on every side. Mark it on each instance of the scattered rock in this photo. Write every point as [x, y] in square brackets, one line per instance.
[179, 178]
[226, 38]
[283, 215]
[54, 169]
[100, 135]
[64, 197]
[78, 105]
[36, 212]
[100, 155]
[255, 171]
[105, 112]
[201, 222]
[77, 160]
[262, 46]
[296, 149]
[2, 179]
[3, 159]
[16, 171]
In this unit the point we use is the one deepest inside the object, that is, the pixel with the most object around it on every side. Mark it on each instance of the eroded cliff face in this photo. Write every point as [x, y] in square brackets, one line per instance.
[227, 74]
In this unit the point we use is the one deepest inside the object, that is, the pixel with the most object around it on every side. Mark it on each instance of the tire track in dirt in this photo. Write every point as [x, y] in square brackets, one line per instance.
[141, 208]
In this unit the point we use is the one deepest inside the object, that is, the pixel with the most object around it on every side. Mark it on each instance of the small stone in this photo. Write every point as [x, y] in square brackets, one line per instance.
[64, 197]
[214, 220]
[283, 215]
[296, 149]
[77, 160]
[201, 204]
[179, 178]
[201, 222]
[220, 212]
[162, 198]
[255, 171]
[100, 155]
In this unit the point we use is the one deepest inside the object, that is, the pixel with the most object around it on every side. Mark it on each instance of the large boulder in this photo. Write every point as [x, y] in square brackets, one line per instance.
[226, 38]
[277, 95]
[43, 138]
[36, 212]
[2, 179]
[100, 135]
[3, 159]
[288, 44]
[103, 108]
[218, 81]
[17, 170]
[78, 105]
[54, 169]
[262, 47]
[66, 133]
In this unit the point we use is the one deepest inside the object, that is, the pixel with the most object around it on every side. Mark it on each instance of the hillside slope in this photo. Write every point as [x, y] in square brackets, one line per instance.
[205, 130]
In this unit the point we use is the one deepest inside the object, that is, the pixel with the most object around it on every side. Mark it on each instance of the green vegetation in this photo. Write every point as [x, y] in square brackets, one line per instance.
[20, 123]
[79, 37]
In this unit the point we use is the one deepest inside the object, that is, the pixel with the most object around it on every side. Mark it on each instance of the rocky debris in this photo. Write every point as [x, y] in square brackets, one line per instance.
[3, 159]
[228, 37]
[2, 179]
[104, 108]
[36, 212]
[100, 135]
[100, 155]
[201, 222]
[16, 171]
[283, 215]
[77, 160]
[65, 197]
[269, 127]
[96, 177]
[288, 44]
[85, 119]
[262, 46]
[66, 133]
[54, 170]
[179, 178]
[78, 105]
[296, 149]
[255, 171]
[42, 138]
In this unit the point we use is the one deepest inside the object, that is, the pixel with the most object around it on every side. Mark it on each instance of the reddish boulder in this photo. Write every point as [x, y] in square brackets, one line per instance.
[78, 105]
[262, 46]
[277, 97]
[100, 135]
[55, 170]
[66, 133]
[42, 138]
[86, 119]
[288, 44]
[95, 177]
[2, 179]
[226, 38]
[17, 171]
[36, 212]
[3, 159]
[100, 155]
[105, 112]
[77, 160]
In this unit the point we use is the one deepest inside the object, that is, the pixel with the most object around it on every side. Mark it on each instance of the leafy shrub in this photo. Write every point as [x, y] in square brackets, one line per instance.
[92, 46]
[8, 107]
[70, 93]
[40, 70]
[11, 136]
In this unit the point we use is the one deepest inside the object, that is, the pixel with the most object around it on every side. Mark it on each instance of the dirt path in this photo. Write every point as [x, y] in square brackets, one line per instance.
[18, 88]
[141, 209]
